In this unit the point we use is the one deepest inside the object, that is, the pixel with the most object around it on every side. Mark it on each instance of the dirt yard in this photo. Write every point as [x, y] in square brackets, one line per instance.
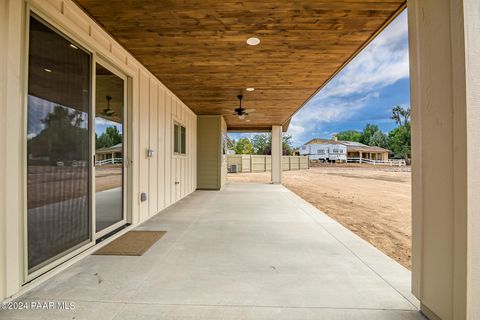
[51, 184]
[373, 202]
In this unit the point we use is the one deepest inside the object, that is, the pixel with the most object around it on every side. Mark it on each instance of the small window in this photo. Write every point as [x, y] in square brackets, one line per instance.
[176, 142]
[304, 147]
[335, 150]
[179, 139]
[183, 140]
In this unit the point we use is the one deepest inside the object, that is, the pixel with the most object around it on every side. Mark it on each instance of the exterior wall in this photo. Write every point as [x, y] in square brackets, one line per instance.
[304, 150]
[381, 156]
[312, 150]
[210, 155]
[471, 13]
[10, 171]
[152, 110]
[445, 99]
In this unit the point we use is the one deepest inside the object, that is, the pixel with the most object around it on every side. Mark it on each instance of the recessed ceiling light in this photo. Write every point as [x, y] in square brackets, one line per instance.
[47, 70]
[253, 41]
[250, 89]
[248, 120]
[71, 45]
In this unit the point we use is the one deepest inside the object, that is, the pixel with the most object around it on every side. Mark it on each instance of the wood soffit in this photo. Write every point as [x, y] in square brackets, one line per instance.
[198, 48]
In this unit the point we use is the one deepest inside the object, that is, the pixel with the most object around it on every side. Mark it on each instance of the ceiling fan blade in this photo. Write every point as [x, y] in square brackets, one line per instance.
[250, 110]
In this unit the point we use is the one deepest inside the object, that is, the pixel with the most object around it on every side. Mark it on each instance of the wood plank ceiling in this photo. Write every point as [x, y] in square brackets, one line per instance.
[198, 48]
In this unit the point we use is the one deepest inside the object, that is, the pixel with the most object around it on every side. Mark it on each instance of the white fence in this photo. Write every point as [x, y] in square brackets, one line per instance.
[108, 161]
[391, 162]
[261, 163]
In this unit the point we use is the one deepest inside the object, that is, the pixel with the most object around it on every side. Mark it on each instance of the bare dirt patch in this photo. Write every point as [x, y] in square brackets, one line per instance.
[373, 202]
[52, 184]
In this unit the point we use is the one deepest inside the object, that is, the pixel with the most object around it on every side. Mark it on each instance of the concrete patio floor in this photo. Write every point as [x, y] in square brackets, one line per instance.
[249, 251]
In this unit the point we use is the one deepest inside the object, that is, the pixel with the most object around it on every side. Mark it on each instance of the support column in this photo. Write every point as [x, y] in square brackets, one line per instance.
[445, 100]
[276, 154]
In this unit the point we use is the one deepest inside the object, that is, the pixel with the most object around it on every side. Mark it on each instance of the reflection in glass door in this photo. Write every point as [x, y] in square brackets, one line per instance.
[109, 150]
[58, 211]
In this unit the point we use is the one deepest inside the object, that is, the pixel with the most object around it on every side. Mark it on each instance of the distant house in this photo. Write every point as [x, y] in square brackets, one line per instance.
[112, 152]
[338, 150]
[360, 150]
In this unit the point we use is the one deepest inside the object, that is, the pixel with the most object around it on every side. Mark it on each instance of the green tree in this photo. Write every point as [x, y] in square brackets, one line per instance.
[112, 136]
[63, 138]
[243, 146]
[261, 143]
[400, 137]
[401, 115]
[400, 142]
[368, 132]
[379, 139]
[349, 135]
[287, 148]
[104, 141]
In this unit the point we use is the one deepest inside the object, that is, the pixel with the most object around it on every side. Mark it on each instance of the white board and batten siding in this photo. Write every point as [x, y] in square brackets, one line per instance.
[212, 163]
[152, 109]
[158, 110]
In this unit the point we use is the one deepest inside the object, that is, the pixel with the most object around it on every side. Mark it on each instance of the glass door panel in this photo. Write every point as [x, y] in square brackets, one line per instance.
[58, 165]
[109, 149]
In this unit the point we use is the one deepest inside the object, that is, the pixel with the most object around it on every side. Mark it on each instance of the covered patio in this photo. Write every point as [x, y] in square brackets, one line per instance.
[273, 257]
[179, 67]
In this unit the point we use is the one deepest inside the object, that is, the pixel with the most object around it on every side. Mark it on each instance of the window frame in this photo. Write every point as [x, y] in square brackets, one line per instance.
[179, 125]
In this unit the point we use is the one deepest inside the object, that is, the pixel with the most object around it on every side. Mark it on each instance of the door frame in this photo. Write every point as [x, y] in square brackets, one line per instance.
[61, 258]
[125, 147]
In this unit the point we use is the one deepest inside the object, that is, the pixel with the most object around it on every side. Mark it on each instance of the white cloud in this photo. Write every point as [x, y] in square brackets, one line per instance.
[383, 62]
[99, 121]
[332, 110]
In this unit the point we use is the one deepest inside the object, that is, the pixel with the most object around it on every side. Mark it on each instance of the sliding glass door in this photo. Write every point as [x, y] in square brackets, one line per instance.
[58, 147]
[75, 149]
[109, 149]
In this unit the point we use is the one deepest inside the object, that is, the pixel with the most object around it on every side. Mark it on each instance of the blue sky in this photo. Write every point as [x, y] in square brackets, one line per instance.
[102, 124]
[363, 92]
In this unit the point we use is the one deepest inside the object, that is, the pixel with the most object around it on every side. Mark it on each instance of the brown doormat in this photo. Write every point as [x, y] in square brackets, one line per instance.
[132, 243]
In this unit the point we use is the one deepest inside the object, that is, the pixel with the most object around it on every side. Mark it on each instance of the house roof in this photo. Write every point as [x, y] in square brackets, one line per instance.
[198, 48]
[323, 141]
[115, 148]
[365, 148]
[352, 146]
[353, 143]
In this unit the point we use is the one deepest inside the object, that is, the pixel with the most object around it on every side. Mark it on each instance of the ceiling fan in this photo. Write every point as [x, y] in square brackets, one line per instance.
[107, 111]
[240, 111]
